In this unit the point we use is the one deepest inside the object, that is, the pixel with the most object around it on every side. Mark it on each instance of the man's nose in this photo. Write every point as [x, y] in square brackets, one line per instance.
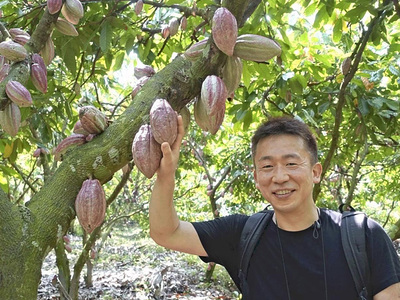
[280, 175]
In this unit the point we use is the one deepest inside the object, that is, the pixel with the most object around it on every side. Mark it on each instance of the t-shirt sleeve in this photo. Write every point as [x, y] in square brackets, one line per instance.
[385, 263]
[220, 238]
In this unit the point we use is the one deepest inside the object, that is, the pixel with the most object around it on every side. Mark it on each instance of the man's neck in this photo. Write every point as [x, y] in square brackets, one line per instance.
[296, 221]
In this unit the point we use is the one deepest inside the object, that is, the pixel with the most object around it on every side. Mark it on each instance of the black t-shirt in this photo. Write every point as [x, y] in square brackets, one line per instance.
[309, 256]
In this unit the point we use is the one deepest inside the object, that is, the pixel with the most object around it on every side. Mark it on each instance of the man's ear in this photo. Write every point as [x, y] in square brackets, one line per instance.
[317, 171]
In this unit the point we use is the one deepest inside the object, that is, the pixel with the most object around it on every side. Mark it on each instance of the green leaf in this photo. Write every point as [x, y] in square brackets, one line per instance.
[105, 36]
[119, 59]
[394, 70]
[320, 17]
[337, 31]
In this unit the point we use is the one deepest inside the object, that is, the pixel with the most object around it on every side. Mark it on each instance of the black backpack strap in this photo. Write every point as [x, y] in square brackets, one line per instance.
[354, 246]
[251, 233]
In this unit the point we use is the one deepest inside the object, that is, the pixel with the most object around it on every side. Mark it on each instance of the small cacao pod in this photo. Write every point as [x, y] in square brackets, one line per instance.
[10, 119]
[207, 122]
[69, 16]
[144, 70]
[21, 39]
[185, 113]
[54, 6]
[346, 65]
[39, 77]
[13, 51]
[196, 50]
[139, 7]
[231, 74]
[165, 32]
[66, 27]
[79, 129]
[74, 7]
[163, 121]
[224, 30]
[213, 94]
[17, 31]
[47, 51]
[183, 23]
[255, 47]
[5, 69]
[90, 205]
[93, 120]
[139, 84]
[69, 142]
[146, 151]
[18, 93]
[173, 26]
[37, 152]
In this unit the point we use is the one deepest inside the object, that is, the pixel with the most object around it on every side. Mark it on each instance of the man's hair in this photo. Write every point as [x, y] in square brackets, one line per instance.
[286, 125]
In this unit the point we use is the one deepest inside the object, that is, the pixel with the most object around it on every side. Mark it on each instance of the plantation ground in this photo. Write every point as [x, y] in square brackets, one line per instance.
[129, 266]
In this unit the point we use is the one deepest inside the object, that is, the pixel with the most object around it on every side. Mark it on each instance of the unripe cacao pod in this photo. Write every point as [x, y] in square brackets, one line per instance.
[36, 58]
[47, 51]
[173, 26]
[13, 51]
[183, 23]
[69, 16]
[146, 151]
[66, 27]
[21, 39]
[256, 48]
[213, 94]
[346, 65]
[224, 30]
[17, 31]
[163, 121]
[18, 94]
[69, 142]
[207, 122]
[144, 70]
[37, 152]
[196, 50]
[92, 119]
[10, 119]
[231, 74]
[5, 69]
[185, 113]
[90, 205]
[79, 129]
[139, 7]
[54, 6]
[165, 32]
[75, 8]
[39, 77]
[139, 85]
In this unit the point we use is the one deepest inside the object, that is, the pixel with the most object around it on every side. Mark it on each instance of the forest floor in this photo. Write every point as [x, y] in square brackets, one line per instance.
[130, 266]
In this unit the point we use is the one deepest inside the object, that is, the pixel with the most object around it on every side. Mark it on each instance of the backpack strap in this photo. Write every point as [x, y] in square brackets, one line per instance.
[251, 233]
[354, 246]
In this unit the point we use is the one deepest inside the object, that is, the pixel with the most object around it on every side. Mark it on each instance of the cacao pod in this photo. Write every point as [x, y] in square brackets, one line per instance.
[144, 70]
[21, 39]
[196, 50]
[185, 113]
[346, 65]
[92, 119]
[17, 31]
[146, 151]
[165, 32]
[18, 94]
[255, 47]
[39, 77]
[90, 205]
[69, 142]
[69, 16]
[66, 27]
[13, 51]
[5, 69]
[47, 51]
[139, 84]
[74, 7]
[37, 152]
[207, 122]
[163, 121]
[183, 23]
[213, 94]
[54, 6]
[173, 26]
[231, 74]
[37, 59]
[10, 119]
[139, 7]
[224, 30]
[79, 129]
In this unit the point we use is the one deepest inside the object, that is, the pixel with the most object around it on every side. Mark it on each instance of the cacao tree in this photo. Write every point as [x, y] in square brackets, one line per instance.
[337, 68]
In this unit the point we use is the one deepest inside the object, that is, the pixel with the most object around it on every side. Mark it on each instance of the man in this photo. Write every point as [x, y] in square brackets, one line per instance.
[299, 255]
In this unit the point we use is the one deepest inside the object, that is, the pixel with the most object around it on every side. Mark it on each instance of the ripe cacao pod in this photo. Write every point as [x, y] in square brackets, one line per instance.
[13, 51]
[213, 94]
[224, 30]
[54, 6]
[18, 94]
[163, 121]
[207, 122]
[90, 205]
[10, 119]
[69, 142]
[146, 151]
[231, 74]
[144, 70]
[255, 47]
[196, 50]
[66, 27]
[92, 119]
[39, 77]
[139, 7]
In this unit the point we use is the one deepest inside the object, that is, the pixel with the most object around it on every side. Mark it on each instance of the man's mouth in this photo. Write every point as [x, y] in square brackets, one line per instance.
[282, 192]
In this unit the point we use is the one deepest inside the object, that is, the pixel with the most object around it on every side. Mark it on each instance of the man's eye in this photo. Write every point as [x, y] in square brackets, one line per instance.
[267, 167]
[291, 164]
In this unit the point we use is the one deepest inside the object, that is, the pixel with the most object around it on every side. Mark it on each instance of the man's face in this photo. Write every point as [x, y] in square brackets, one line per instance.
[284, 173]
